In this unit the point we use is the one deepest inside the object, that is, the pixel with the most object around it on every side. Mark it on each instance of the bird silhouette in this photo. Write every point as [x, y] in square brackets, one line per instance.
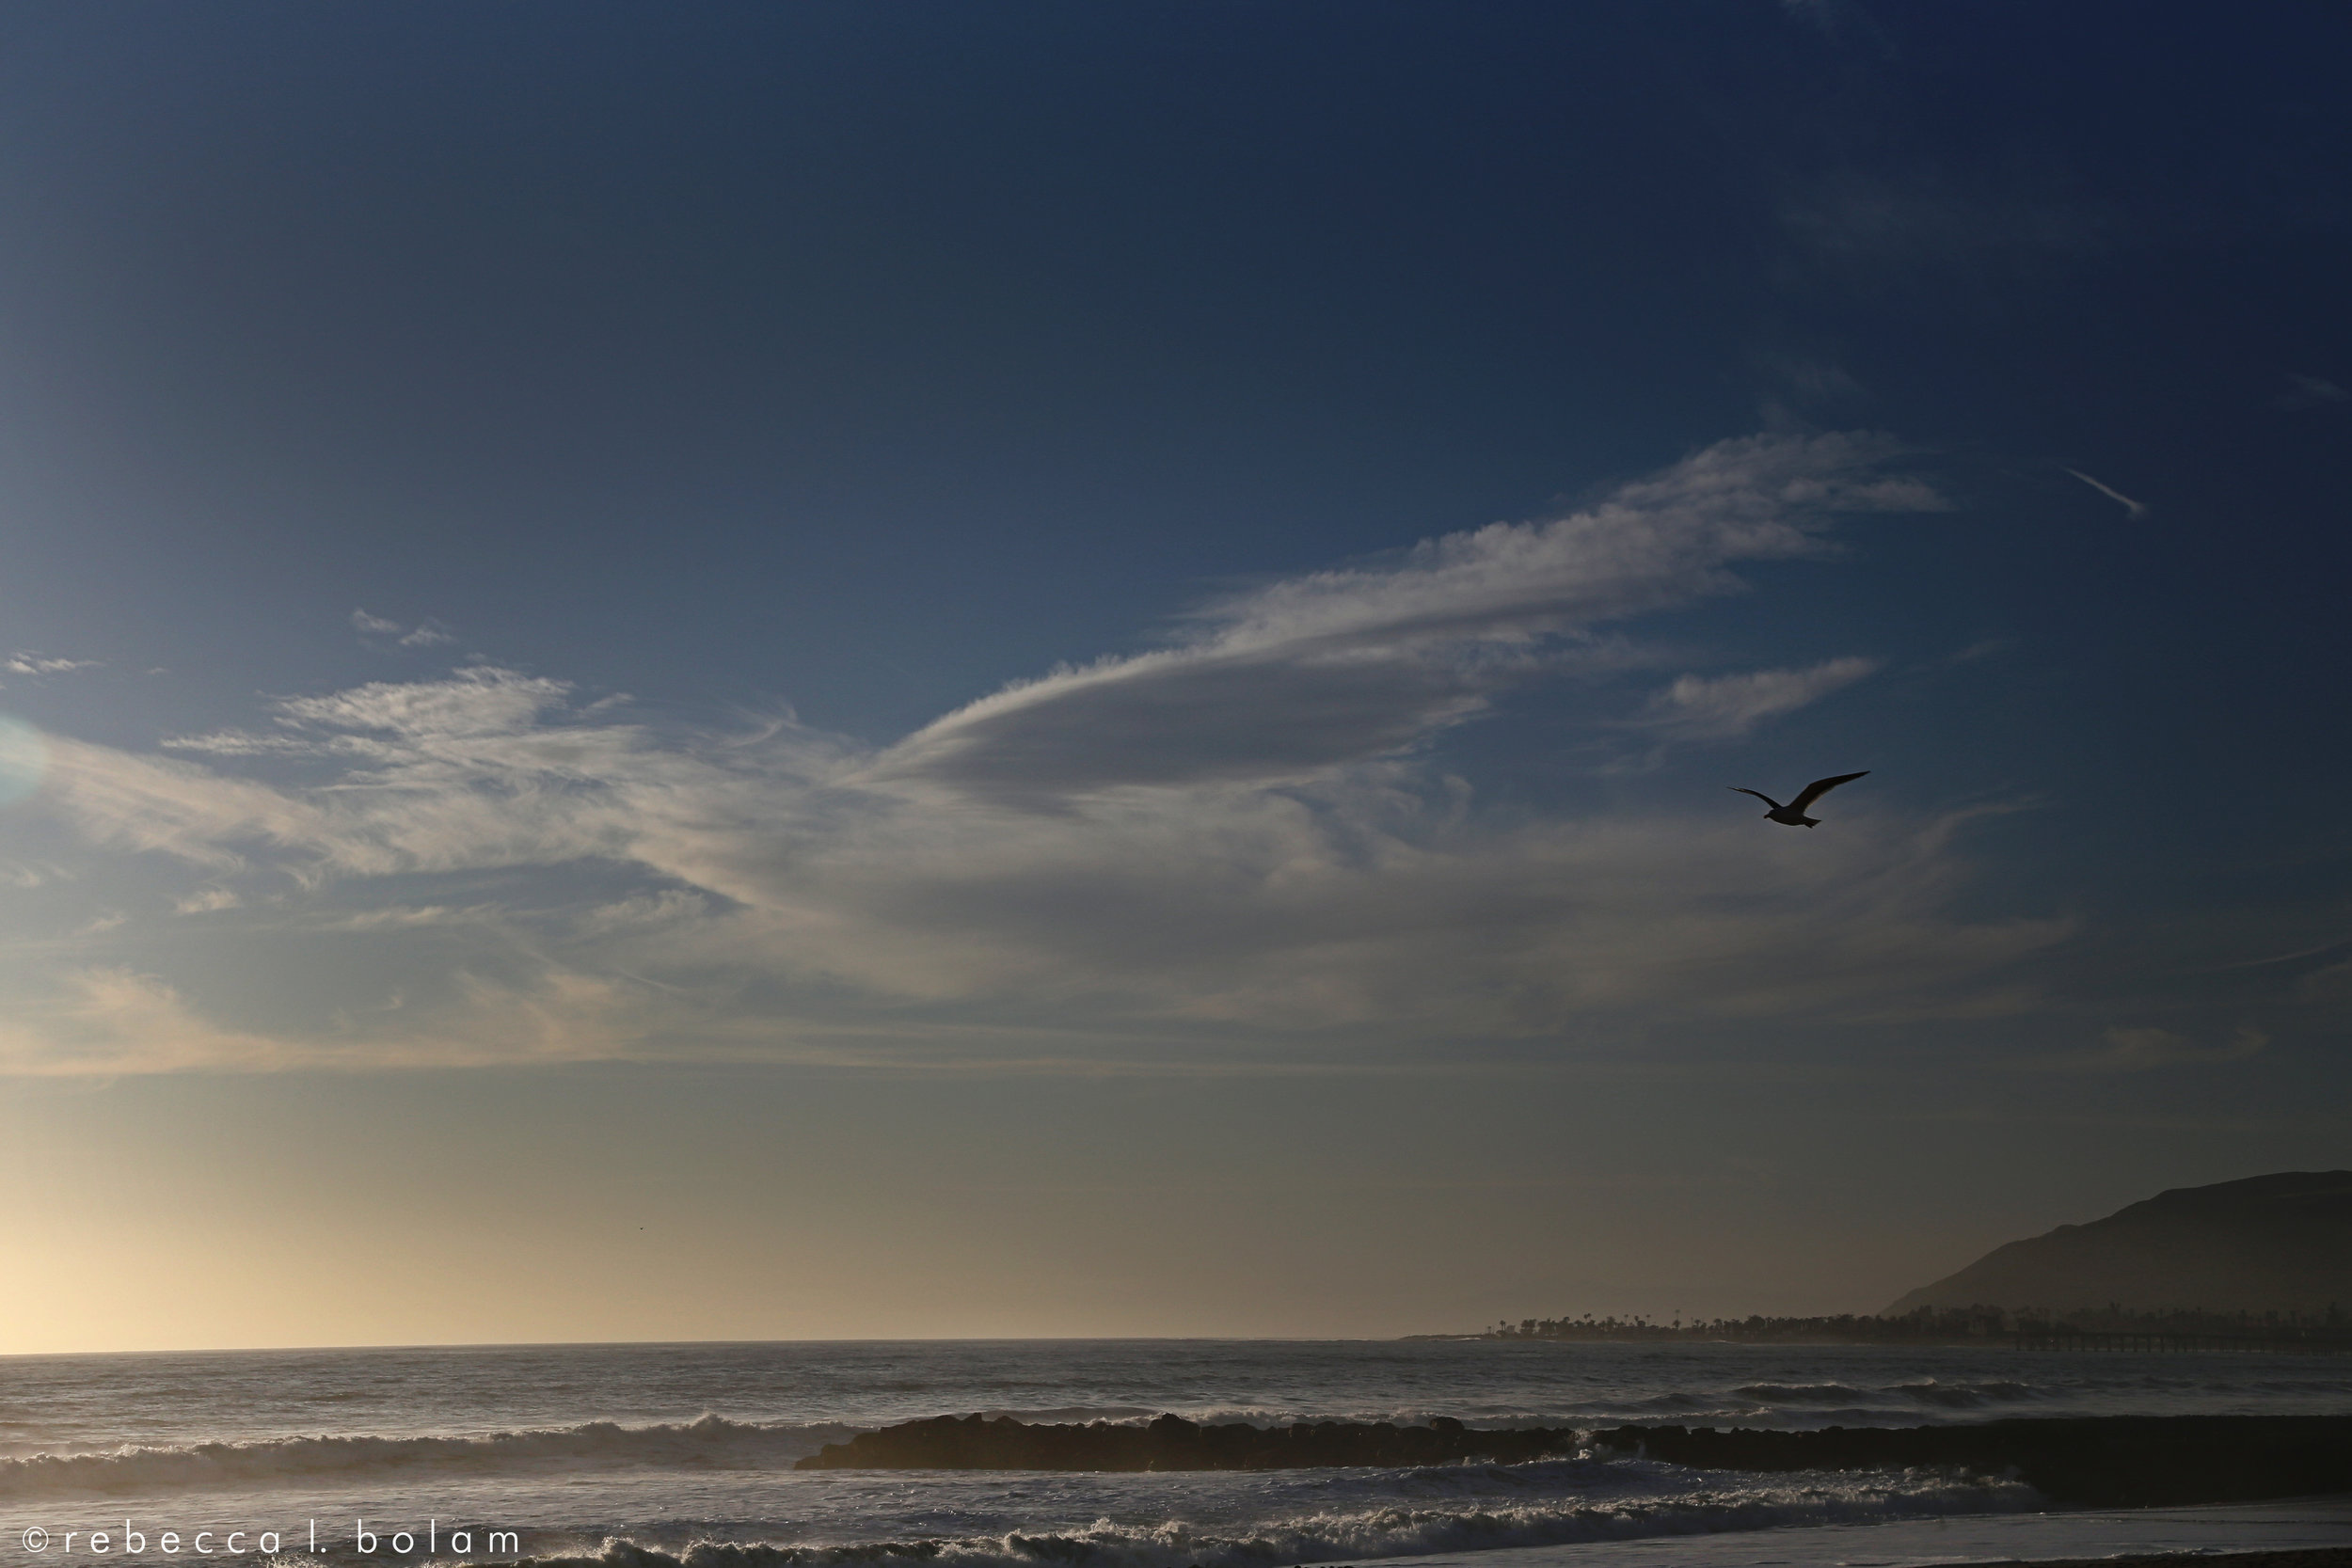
[1792, 814]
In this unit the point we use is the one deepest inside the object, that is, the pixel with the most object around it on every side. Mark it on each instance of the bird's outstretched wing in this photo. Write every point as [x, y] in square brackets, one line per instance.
[1819, 788]
[1757, 793]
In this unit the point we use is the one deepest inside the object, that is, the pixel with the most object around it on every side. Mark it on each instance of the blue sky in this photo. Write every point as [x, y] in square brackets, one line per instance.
[712, 599]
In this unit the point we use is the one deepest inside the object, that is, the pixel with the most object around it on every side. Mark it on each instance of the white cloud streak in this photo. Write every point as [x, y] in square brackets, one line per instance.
[1726, 708]
[428, 633]
[1236, 838]
[1342, 666]
[114, 1020]
[2135, 510]
[2123, 1050]
[2311, 392]
[23, 663]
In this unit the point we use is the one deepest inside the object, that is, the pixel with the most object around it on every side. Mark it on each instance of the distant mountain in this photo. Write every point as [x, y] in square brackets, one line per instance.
[2267, 1244]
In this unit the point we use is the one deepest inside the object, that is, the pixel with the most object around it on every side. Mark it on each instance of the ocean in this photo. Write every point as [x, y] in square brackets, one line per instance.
[642, 1456]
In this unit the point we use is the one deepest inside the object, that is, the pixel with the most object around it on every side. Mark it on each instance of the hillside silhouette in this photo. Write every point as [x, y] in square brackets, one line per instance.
[2266, 1244]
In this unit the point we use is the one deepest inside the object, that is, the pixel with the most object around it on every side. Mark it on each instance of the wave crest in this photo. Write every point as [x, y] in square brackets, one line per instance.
[1967, 1396]
[1813, 1498]
[712, 1442]
[1799, 1393]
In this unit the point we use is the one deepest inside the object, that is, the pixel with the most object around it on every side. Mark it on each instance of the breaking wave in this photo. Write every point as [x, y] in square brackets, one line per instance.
[710, 1443]
[1396, 1530]
[1967, 1396]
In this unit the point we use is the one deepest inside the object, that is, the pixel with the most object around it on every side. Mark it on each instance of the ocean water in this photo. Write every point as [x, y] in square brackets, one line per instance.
[645, 1455]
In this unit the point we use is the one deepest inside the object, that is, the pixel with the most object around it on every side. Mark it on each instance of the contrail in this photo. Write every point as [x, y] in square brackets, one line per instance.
[2138, 508]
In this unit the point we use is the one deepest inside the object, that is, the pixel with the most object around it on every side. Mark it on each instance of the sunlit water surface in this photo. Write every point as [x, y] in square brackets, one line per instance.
[686, 1451]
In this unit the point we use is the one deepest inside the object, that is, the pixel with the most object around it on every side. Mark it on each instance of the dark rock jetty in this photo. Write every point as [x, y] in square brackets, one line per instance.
[2105, 1462]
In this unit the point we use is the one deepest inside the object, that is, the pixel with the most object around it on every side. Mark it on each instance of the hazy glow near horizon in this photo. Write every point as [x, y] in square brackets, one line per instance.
[852, 671]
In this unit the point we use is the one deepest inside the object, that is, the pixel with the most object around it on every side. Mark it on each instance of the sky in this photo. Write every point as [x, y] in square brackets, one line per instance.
[909, 668]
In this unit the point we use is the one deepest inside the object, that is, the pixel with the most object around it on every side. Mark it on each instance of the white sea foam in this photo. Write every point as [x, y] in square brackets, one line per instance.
[710, 1443]
[1396, 1530]
[1968, 1396]
[1081, 1414]
[1799, 1393]
[579, 1446]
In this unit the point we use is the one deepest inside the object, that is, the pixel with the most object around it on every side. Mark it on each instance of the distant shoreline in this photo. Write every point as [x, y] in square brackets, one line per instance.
[2037, 1339]
[2002, 1342]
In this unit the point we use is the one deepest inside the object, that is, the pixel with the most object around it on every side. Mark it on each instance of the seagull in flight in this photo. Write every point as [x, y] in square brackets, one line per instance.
[1792, 814]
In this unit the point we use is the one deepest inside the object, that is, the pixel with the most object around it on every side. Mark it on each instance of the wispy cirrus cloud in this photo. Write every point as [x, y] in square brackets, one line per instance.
[25, 664]
[2138, 1049]
[122, 801]
[2311, 392]
[1913, 221]
[1724, 707]
[1240, 837]
[2134, 510]
[116, 1020]
[1343, 665]
[428, 633]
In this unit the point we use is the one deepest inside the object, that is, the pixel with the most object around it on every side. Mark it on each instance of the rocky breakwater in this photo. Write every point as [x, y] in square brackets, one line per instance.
[1172, 1443]
[2096, 1462]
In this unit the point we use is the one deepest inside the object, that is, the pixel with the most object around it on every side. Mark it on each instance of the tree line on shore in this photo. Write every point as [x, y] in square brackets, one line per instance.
[1932, 1325]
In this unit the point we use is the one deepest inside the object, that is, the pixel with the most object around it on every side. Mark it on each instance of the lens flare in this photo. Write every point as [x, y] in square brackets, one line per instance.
[23, 758]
